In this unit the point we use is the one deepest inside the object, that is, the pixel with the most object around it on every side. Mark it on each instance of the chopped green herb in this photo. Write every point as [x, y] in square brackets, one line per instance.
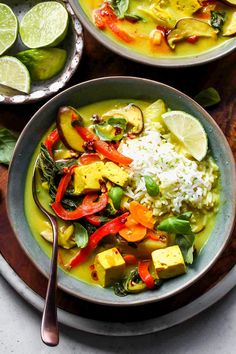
[217, 19]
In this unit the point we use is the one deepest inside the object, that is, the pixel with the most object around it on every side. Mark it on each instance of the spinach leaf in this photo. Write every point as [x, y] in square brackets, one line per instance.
[176, 225]
[186, 245]
[217, 19]
[7, 145]
[51, 172]
[120, 7]
[208, 97]
[81, 235]
[151, 186]
[119, 289]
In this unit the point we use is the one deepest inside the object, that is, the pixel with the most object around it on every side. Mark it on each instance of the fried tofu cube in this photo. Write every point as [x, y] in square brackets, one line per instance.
[168, 262]
[115, 174]
[110, 266]
[86, 178]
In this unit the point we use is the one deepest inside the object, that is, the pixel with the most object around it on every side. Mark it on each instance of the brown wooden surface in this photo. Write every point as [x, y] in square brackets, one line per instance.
[97, 62]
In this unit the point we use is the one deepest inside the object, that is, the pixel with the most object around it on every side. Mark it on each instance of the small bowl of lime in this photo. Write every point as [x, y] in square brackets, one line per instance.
[41, 46]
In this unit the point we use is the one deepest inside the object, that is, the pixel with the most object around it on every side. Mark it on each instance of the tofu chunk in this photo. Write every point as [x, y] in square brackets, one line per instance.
[110, 266]
[86, 178]
[115, 174]
[168, 262]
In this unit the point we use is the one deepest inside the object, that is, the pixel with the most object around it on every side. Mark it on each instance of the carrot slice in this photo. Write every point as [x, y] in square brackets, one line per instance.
[130, 221]
[142, 214]
[133, 233]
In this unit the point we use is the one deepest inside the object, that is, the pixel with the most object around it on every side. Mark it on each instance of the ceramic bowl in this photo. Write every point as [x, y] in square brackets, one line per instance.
[206, 57]
[73, 44]
[111, 88]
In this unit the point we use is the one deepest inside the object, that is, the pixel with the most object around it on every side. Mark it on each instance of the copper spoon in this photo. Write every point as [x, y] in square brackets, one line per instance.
[49, 324]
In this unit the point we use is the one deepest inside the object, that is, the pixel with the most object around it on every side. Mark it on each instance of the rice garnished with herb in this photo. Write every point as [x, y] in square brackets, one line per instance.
[182, 181]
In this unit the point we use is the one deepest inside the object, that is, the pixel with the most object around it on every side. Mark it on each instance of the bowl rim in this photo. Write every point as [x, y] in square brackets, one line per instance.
[65, 75]
[199, 59]
[154, 298]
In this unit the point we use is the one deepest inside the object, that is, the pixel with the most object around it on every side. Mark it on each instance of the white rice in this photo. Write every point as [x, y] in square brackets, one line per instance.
[182, 181]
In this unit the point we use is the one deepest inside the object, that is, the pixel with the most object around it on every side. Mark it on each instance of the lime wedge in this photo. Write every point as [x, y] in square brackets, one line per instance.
[45, 25]
[189, 131]
[8, 28]
[14, 74]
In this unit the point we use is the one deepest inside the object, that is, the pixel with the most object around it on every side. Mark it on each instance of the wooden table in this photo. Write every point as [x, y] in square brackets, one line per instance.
[97, 61]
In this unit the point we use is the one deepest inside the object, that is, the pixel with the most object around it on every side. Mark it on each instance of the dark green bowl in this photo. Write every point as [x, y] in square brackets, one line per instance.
[212, 54]
[110, 88]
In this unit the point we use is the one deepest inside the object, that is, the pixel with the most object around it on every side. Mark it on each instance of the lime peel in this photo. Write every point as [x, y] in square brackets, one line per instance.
[8, 28]
[45, 25]
[14, 74]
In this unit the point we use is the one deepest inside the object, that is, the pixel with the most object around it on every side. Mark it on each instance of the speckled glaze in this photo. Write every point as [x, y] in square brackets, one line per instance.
[73, 44]
[213, 54]
[110, 88]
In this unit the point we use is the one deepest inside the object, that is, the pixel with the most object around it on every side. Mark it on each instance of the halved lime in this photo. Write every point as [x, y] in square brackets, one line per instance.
[14, 74]
[189, 131]
[8, 28]
[45, 25]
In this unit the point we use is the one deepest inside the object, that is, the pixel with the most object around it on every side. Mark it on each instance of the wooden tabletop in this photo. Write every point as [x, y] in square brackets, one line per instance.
[98, 61]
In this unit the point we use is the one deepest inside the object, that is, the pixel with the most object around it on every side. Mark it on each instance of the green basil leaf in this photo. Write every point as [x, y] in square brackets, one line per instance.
[208, 97]
[176, 225]
[151, 186]
[186, 245]
[7, 145]
[107, 131]
[217, 19]
[120, 7]
[117, 122]
[81, 235]
[185, 216]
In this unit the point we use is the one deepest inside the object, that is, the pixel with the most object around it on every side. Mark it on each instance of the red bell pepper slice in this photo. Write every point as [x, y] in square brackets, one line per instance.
[107, 150]
[64, 182]
[147, 278]
[88, 207]
[51, 140]
[86, 159]
[105, 17]
[111, 227]
[94, 219]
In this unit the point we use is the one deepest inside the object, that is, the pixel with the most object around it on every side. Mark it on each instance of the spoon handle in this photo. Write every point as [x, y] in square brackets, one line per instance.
[49, 325]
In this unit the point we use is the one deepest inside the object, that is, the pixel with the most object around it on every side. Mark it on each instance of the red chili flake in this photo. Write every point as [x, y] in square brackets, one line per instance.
[94, 275]
[118, 131]
[92, 267]
[164, 30]
[89, 146]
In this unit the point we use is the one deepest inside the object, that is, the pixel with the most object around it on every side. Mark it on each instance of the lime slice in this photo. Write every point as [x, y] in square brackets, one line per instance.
[189, 131]
[14, 74]
[8, 28]
[45, 25]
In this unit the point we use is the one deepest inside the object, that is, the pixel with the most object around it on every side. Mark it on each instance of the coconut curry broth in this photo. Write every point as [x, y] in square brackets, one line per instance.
[38, 222]
[147, 36]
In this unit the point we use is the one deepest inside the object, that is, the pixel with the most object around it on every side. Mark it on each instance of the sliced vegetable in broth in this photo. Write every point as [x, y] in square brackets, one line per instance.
[132, 210]
[164, 28]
